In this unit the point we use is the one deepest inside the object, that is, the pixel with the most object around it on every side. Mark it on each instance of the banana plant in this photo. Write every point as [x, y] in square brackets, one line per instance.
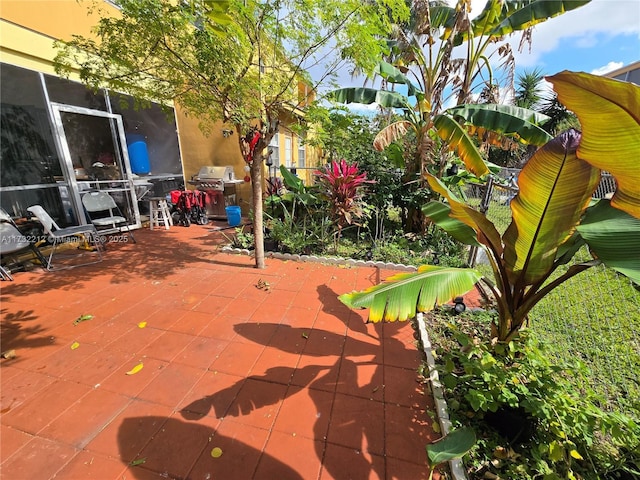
[423, 48]
[498, 19]
[455, 126]
[553, 215]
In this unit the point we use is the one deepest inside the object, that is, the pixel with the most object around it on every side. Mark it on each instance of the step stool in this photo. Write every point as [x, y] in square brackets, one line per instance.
[159, 213]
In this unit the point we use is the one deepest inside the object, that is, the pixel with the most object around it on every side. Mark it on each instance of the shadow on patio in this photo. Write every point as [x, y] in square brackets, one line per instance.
[285, 380]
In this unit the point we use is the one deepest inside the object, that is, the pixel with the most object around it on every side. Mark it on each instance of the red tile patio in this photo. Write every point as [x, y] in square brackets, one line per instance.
[285, 380]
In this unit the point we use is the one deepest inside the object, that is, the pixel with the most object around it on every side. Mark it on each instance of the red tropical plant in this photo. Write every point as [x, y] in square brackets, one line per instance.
[342, 184]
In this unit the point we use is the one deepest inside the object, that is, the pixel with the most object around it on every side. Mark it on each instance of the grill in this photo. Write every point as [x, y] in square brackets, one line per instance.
[219, 183]
[213, 178]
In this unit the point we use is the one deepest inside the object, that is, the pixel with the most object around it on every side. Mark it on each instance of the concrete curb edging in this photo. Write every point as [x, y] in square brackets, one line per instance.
[324, 260]
[455, 465]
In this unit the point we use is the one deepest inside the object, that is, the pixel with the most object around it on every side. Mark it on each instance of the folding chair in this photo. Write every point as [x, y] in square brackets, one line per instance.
[13, 241]
[104, 213]
[59, 235]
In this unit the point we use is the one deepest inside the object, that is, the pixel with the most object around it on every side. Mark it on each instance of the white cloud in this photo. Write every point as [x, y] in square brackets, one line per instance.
[609, 67]
[582, 25]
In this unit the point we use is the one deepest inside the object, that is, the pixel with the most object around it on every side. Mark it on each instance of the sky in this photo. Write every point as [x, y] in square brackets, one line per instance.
[597, 38]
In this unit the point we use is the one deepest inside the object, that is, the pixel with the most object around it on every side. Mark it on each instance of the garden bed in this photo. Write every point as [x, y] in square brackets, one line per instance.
[529, 418]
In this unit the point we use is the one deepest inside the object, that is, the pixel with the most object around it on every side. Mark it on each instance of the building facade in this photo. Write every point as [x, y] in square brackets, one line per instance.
[60, 139]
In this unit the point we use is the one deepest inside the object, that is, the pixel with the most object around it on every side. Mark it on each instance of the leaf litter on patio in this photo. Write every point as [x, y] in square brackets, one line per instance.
[216, 452]
[82, 318]
[135, 369]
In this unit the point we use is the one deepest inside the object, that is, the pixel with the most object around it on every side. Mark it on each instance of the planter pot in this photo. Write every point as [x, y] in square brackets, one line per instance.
[270, 245]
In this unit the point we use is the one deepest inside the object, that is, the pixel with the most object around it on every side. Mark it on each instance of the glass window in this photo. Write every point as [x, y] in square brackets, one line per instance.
[65, 91]
[157, 126]
[28, 150]
[288, 150]
[274, 146]
[302, 153]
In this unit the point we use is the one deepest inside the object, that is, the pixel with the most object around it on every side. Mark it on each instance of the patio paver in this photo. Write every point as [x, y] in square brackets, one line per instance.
[286, 380]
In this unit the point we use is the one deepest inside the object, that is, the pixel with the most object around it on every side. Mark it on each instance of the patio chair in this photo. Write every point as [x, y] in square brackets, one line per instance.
[12, 241]
[104, 212]
[59, 235]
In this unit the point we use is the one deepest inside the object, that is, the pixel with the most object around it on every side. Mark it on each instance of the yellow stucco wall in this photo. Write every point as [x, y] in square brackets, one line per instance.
[28, 29]
[57, 19]
[199, 150]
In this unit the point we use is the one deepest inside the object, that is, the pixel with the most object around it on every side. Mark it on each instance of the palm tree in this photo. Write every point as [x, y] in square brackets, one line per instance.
[528, 94]
[528, 88]
[560, 118]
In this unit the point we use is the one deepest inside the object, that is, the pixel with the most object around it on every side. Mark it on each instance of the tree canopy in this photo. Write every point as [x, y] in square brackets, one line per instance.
[235, 61]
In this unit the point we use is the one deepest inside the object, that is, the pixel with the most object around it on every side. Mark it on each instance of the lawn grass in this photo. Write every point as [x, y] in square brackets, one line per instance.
[595, 318]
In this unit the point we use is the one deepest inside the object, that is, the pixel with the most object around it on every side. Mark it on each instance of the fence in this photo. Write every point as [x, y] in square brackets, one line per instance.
[594, 317]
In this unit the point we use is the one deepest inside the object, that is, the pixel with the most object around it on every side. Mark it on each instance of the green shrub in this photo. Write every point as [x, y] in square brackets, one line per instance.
[530, 420]
[241, 239]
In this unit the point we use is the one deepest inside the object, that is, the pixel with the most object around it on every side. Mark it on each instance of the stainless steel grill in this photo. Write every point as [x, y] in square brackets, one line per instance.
[220, 185]
[213, 178]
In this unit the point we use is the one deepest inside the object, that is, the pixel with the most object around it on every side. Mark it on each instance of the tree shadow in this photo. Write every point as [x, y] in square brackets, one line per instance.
[154, 256]
[181, 449]
[317, 380]
[332, 305]
[16, 333]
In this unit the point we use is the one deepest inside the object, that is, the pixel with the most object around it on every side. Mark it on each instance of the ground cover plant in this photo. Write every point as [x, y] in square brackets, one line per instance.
[530, 418]
[553, 217]
[601, 329]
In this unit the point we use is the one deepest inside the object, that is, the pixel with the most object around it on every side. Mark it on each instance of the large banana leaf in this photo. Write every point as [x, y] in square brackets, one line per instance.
[492, 14]
[404, 294]
[502, 17]
[485, 230]
[442, 16]
[613, 237]
[457, 138]
[555, 189]
[390, 134]
[439, 214]
[367, 96]
[506, 120]
[394, 75]
[523, 14]
[609, 113]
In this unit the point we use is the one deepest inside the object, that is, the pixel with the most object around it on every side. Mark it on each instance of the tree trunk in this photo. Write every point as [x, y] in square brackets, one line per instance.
[258, 230]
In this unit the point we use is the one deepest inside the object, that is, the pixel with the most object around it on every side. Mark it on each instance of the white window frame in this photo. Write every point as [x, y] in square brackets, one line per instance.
[302, 152]
[274, 145]
[288, 150]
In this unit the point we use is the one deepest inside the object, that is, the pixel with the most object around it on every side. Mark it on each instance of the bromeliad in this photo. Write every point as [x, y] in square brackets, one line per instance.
[341, 184]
